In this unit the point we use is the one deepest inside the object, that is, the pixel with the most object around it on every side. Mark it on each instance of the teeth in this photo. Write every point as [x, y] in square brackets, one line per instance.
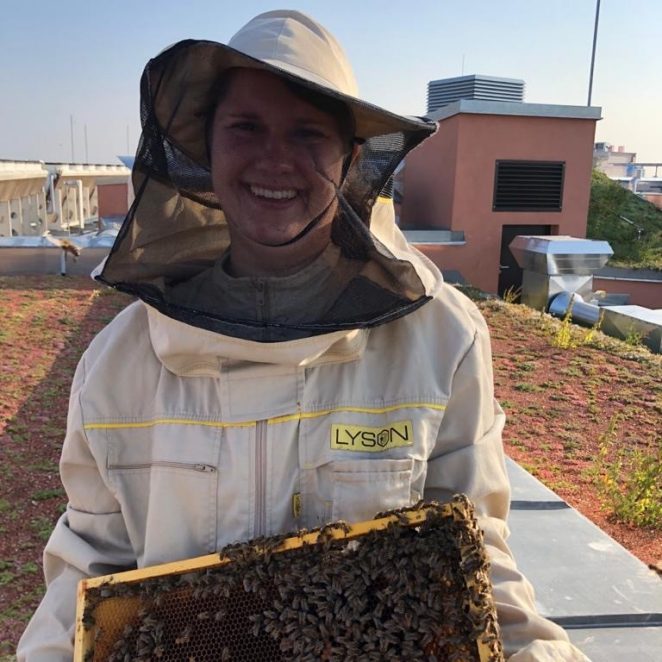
[283, 194]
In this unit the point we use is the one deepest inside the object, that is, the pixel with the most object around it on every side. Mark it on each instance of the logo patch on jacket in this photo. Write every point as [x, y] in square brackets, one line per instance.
[366, 439]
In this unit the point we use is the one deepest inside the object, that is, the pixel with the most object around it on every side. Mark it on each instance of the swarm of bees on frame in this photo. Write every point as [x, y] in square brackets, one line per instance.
[401, 593]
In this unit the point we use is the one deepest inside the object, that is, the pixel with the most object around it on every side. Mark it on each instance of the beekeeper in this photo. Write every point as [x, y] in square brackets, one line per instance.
[291, 360]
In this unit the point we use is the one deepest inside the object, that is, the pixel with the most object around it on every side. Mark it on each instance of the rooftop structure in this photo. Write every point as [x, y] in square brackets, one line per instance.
[495, 170]
[485, 88]
[38, 197]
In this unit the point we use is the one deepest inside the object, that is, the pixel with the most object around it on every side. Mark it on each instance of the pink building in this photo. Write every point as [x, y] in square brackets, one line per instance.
[492, 171]
[113, 199]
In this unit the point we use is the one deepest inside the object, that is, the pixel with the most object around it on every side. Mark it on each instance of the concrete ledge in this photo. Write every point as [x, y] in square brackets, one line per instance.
[609, 601]
[438, 237]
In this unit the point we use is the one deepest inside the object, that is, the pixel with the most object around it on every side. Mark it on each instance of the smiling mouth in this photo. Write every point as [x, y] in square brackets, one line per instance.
[273, 194]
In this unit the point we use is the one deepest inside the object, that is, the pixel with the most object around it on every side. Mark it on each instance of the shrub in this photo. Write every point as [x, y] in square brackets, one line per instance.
[610, 202]
[629, 480]
[564, 336]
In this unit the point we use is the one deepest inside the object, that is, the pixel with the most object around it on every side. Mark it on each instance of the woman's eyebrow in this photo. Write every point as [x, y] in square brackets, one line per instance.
[309, 120]
[249, 115]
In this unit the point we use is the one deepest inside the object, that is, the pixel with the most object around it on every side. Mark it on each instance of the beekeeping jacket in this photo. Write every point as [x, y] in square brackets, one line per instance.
[193, 423]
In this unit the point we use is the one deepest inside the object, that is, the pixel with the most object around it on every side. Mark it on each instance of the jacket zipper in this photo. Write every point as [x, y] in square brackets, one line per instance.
[260, 524]
[203, 468]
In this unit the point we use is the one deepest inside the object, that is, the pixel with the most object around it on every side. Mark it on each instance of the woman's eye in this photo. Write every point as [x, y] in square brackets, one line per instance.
[244, 126]
[309, 133]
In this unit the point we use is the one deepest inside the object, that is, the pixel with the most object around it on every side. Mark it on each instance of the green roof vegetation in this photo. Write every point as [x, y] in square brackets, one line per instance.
[610, 204]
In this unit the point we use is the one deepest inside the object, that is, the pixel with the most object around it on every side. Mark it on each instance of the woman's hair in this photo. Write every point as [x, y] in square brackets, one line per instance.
[323, 102]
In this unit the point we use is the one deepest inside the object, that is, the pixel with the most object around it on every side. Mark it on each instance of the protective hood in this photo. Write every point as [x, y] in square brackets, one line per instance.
[176, 232]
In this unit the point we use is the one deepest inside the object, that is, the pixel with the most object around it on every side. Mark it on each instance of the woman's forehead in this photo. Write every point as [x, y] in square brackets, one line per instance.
[263, 93]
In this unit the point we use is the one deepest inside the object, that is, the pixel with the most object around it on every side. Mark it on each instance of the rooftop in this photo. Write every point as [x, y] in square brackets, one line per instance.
[478, 107]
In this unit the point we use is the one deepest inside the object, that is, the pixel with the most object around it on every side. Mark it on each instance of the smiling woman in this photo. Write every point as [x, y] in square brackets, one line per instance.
[277, 161]
[292, 361]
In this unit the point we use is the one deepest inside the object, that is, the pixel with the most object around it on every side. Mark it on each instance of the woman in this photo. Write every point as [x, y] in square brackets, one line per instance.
[283, 320]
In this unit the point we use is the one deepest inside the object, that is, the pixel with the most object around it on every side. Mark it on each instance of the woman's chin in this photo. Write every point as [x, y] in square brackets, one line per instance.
[275, 240]
[293, 234]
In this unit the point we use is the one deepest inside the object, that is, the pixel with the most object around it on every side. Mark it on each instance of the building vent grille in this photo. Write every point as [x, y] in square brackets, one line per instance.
[528, 186]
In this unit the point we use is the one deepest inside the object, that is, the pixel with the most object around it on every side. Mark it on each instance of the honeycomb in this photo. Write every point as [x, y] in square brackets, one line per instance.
[409, 585]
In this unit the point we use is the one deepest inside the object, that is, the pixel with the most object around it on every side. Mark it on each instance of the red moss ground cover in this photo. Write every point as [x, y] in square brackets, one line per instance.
[45, 325]
[559, 403]
[566, 406]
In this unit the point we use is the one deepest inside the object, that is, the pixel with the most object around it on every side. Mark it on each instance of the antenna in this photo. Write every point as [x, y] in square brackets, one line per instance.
[71, 131]
[595, 40]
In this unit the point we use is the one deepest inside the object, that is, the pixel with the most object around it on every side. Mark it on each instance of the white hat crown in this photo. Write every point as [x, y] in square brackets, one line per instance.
[294, 42]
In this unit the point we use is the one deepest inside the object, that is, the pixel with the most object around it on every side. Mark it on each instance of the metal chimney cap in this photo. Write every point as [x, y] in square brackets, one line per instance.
[560, 254]
[561, 243]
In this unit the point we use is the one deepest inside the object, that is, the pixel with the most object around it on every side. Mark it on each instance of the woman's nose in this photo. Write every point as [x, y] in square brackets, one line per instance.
[278, 151]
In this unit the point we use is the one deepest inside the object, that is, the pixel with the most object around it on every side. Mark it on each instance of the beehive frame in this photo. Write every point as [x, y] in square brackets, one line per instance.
[132, 595]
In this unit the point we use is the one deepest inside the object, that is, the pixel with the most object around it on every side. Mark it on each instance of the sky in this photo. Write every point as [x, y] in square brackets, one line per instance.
[82, 60]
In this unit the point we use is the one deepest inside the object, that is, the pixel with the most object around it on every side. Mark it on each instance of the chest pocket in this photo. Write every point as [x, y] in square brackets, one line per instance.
[362, 488]
[355, 464]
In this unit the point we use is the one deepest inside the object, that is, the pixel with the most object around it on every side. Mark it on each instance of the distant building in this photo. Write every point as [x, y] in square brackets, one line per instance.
[616, 163]
[38, 197]
[648, 188]
[495, 170]
[483, 88]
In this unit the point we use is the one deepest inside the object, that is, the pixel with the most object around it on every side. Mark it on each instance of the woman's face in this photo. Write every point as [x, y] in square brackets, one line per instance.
[275, 161]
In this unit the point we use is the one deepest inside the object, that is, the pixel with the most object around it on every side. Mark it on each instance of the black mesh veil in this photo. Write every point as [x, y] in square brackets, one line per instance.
[176, 229]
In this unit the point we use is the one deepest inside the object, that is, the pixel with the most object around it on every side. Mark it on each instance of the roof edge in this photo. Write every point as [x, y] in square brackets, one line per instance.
[480, 107]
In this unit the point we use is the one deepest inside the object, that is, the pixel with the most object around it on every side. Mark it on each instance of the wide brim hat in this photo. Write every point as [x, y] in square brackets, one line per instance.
[182, 79]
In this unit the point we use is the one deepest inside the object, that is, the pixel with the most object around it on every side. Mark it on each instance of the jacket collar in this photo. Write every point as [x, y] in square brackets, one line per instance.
[189, 351]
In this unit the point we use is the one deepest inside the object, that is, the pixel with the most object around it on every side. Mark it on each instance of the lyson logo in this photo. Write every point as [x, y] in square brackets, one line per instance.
[371, 440]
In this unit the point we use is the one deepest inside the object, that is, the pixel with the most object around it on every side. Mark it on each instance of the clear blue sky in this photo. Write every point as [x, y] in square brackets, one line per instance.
[84, 58]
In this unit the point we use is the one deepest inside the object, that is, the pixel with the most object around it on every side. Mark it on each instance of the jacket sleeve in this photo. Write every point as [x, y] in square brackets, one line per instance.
[89, 539]
[468, 458]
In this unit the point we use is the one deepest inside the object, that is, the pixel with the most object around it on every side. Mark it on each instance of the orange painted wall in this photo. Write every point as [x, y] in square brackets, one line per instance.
[647, 294]
[449, 184]
[113, 199]
[429, 181]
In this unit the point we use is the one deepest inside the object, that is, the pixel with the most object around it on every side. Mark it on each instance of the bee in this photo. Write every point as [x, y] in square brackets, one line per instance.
[184, 636]
[88, 617]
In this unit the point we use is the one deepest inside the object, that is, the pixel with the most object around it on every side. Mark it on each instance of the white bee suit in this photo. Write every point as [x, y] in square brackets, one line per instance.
[181, 440]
